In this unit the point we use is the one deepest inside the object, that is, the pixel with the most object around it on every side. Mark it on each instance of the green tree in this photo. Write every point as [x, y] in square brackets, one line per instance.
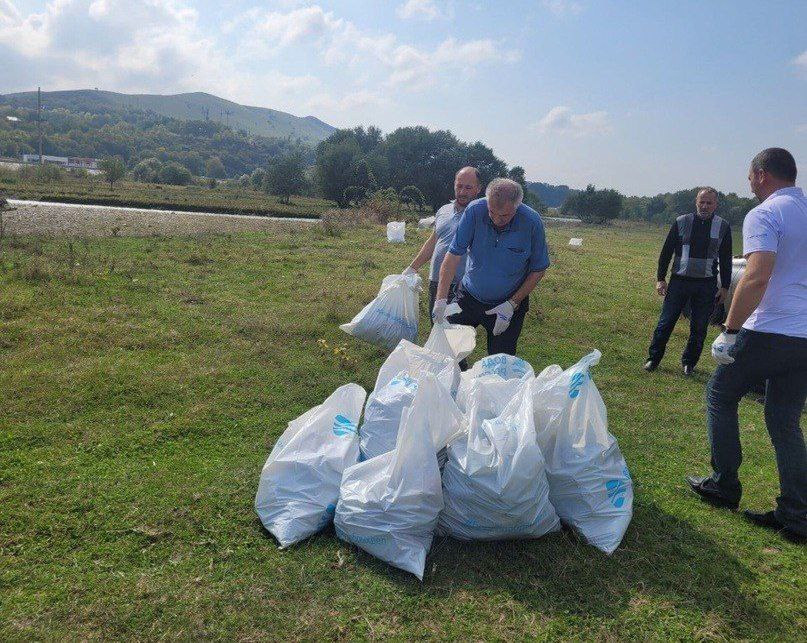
[113, 168]
[336, 158]
[214, 168]
[173, 173]
[147, 171]
[593, 205]
[285, 177]
[411, 195]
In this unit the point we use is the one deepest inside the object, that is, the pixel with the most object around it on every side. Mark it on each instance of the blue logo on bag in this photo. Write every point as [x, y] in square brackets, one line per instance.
[405, 381]
[577, 381]
[342, 426]
[616, 492]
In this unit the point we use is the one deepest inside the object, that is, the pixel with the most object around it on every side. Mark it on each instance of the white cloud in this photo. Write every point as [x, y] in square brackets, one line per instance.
[801, 60]
[561, 120]
[561, 7]
[420, 9]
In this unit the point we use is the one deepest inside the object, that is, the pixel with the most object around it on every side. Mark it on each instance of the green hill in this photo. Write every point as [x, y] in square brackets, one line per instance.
[193, 106]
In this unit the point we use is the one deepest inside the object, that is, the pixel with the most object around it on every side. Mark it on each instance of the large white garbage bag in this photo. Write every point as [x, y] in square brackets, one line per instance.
[395, 389]
[494, 483]
[389, 505]
[589, 482]
[396, 231]
[392, 315]
[494, 369]
[299, 484]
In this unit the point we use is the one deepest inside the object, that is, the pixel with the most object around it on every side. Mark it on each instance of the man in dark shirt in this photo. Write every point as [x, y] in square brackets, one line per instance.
[698, 242]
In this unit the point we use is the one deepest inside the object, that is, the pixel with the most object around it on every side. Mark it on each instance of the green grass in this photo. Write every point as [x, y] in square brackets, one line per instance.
[226, 198]
[145, 380]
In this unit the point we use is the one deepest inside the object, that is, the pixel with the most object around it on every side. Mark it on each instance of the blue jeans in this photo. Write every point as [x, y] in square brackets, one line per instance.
[701, 295]
[782, 362]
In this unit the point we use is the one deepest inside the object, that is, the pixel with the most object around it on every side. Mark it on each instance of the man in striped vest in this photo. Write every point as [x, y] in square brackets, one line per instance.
[699, 241]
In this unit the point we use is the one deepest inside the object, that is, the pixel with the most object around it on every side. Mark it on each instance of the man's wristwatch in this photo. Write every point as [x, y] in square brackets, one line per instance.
[729, 331]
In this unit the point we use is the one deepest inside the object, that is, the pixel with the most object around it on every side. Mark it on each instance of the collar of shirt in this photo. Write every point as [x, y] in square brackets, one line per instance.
[498, 230]
[457, 209]
[792, 190]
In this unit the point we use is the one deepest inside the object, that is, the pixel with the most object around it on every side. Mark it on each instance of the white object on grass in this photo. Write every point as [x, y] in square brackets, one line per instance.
[299, 484]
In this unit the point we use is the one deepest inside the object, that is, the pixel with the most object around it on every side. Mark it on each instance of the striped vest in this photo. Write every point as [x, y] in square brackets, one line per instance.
[687, 266]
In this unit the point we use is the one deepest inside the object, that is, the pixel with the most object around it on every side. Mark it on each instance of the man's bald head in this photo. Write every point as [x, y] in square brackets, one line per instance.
[467, 185]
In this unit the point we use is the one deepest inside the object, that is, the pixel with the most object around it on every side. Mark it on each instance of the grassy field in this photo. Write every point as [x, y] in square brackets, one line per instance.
[224, 197]
[144, 382]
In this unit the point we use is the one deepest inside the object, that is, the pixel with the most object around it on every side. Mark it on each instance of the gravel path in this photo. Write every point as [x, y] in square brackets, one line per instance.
[100, 221]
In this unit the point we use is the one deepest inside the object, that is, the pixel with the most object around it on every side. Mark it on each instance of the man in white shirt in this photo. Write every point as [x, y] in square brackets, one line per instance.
[467, 185]
[765, 338]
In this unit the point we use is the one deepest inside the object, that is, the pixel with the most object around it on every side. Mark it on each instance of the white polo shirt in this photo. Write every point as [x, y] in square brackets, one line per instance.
[779, 224]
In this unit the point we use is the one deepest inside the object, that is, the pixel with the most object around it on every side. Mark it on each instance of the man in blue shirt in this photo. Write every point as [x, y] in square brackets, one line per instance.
[507, 257]
[467, 185]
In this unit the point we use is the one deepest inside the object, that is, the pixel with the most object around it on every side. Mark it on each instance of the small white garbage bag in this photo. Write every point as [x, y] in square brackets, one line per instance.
[299, 484]
[396, 231]
[395, 388]
[455, 340]
[389, 505]
[426, 222]
[589, 482]
[575, 242]
[494, 483]
[392, 315]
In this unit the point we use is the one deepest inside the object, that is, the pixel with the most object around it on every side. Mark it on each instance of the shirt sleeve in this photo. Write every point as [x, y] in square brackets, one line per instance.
[464, 235]
[666, 253]
[539, 259]
[760, 232]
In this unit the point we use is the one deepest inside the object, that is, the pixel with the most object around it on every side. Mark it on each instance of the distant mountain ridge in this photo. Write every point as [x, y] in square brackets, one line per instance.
[552, 196]
[190, 106]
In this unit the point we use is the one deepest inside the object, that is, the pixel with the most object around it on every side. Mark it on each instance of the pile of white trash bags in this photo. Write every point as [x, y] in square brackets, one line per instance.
[493, 453]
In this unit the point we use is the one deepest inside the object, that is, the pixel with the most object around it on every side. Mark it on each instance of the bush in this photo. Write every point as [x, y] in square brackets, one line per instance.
[148, 170]
[42, 173]
[382, 206]
[175, 174]
[593, 205]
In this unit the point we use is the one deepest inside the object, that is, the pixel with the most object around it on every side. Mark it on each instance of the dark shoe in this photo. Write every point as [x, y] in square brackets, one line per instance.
[770, 521]
[709, 492]
[650, 365]
[688, 370]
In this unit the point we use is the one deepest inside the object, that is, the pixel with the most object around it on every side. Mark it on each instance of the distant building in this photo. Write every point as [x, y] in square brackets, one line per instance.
[63, 161]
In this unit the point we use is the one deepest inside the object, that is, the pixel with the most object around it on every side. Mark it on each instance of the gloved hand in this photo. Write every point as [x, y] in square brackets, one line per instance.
[721, 346]
[409, 270]
[439, 311]
[504, 313]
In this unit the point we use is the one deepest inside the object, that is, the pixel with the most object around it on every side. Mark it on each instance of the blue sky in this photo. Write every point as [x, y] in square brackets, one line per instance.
[643, 96]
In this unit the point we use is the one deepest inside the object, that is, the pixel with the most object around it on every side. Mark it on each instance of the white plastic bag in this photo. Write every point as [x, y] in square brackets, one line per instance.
[396, 231]
[395, 389]
[426, 222]
[455, 340]
[389, 505]
[299, 484]
[392, 315]
[589, 482]
[494, 483]
[575, 242]
[492, 369]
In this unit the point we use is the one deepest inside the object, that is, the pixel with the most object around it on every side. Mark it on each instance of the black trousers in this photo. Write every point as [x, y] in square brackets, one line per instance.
[452, 292]
[700, 293]
[473, 314]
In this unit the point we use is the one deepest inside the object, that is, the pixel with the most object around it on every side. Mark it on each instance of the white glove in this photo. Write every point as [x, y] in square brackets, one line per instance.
[409, 270]
[504, 313]
[439, 311]
[721, 347]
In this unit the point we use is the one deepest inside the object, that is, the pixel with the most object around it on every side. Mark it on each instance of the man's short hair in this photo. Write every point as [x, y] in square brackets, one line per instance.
[708, 188]
[777, 162]
[505, 191]
[477, 173]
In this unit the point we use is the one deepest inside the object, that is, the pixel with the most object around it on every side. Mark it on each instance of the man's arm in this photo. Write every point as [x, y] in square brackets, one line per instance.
[667, 251]
[724, 259]
[448, 270]
[527, 287]
[751, 288]
[425, 254]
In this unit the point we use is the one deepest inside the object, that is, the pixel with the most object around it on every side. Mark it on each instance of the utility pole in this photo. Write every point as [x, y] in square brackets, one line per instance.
[39, 121]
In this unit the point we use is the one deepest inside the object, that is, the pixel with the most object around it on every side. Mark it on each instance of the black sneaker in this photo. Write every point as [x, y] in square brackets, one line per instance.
[711, 493]
[770, 521]
[650, 365]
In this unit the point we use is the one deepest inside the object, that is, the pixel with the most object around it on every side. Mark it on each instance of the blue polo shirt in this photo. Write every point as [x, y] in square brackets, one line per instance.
[499, 260]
